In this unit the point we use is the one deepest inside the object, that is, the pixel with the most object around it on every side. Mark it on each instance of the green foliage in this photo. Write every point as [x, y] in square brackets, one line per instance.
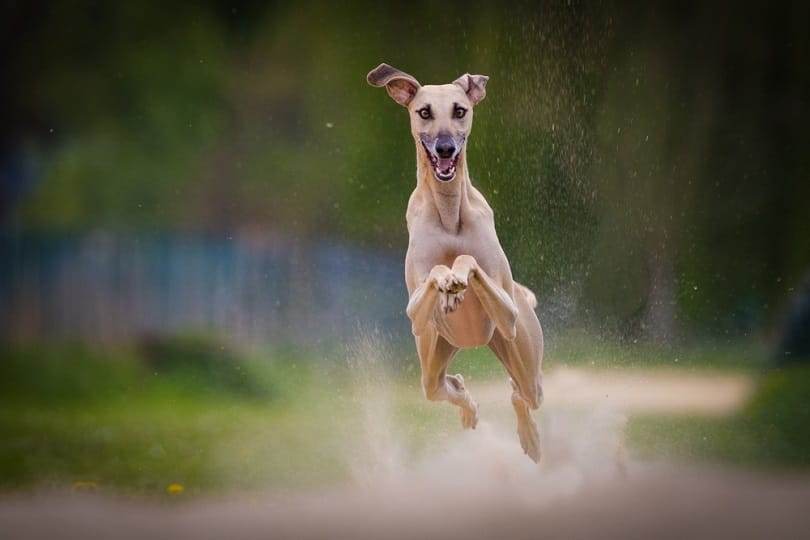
[188, 365]
[201, 363]
[52, 375]
[169, 411]
[779, 415]
[617, 142]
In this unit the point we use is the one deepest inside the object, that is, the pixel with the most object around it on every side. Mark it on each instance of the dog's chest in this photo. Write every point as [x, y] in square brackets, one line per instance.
[441, 247]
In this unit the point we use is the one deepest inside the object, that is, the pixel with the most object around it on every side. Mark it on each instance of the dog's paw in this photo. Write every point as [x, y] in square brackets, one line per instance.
[468, 410]
[455, 285]
[452, 288]
[530, 439]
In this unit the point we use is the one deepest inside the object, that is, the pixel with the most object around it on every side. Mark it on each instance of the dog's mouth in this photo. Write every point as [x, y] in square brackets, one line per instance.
[444, 169]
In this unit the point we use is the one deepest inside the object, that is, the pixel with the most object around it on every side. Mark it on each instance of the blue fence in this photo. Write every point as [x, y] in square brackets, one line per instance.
[252, 289]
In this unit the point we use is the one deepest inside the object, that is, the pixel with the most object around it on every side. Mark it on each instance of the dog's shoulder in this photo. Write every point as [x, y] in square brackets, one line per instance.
[480, 206]
[419, 209]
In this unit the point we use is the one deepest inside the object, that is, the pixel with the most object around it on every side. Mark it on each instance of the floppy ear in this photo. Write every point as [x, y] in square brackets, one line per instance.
[474, 85]
[401, 86]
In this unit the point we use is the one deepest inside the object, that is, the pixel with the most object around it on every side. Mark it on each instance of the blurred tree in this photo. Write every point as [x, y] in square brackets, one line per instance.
[794, 339]
[646, 163]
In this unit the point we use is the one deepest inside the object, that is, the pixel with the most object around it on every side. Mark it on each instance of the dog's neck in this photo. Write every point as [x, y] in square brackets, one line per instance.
[449, 198]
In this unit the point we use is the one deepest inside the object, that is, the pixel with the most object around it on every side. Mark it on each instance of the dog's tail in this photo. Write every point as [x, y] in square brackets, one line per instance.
[525, 291]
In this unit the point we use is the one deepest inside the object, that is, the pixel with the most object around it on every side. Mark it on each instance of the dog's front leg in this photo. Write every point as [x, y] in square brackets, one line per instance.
[422, 302]
[498, 304]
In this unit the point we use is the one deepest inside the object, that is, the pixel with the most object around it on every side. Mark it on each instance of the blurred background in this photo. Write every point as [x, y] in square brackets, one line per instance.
[203, 203]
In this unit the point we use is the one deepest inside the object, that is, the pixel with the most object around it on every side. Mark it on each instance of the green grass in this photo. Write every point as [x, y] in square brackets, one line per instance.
[773, 430]
[189, 411]
[690, 438]
[138, 420]
[194, 412]
[143, 446]
[582, 348]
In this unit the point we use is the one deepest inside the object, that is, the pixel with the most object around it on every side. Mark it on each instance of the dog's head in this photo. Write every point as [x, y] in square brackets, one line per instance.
[441, 115]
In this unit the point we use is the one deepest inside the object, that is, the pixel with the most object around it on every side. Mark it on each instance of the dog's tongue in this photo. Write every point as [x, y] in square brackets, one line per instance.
[444, 164]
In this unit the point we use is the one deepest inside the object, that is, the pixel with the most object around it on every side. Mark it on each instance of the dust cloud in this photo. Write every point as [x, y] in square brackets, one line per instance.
[579, 445]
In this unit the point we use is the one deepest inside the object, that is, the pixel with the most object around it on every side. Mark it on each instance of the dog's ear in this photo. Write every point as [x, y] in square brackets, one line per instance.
[474, 85]
[400, 86]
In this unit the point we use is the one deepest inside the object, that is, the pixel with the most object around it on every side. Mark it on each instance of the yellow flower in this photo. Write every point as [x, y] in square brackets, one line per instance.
[174, 489]
[84, 486]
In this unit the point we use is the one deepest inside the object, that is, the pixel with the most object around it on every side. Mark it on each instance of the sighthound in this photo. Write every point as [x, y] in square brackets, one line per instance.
[460, 285]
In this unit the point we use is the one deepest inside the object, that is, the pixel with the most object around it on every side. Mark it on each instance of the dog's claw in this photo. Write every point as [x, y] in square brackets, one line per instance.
[456, 286]
[452, 284]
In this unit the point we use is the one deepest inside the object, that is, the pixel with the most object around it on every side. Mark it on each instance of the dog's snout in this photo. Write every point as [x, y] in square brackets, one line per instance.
[445, 147]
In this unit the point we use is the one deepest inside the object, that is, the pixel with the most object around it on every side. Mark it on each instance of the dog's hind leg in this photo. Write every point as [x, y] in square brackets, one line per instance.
[435, 354]
[528, 432]
[522, 358]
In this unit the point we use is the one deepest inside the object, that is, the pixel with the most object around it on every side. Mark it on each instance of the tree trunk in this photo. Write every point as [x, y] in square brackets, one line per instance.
[658, 322]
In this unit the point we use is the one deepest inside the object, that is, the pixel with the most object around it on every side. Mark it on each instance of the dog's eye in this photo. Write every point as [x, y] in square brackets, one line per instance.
[459, 112]
[424, 113]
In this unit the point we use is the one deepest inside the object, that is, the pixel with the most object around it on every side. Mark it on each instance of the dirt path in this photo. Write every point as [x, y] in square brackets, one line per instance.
[662, 504]
[636, 390]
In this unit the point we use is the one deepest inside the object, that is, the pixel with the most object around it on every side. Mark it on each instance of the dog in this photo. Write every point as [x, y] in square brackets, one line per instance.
[460, 286]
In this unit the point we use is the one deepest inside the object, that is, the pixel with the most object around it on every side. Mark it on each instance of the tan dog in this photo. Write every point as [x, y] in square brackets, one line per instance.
[462, 294]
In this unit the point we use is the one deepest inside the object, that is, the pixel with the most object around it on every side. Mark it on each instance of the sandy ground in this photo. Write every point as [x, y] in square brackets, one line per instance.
[477, 484]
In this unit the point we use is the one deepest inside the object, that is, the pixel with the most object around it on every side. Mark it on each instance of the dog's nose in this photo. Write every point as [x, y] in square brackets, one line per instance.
[445, 148]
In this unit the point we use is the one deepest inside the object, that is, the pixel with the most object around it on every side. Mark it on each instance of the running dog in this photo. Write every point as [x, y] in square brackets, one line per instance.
[460, 286]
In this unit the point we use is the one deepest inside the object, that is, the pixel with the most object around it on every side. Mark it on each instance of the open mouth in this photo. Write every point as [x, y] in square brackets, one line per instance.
[444, 169]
